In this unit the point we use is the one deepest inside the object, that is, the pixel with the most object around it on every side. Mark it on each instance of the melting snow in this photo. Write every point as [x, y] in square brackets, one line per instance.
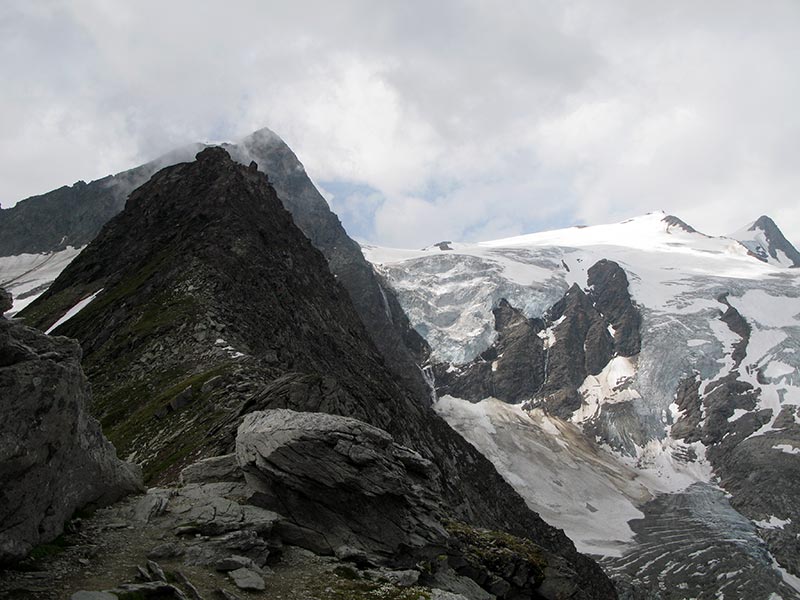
[73, 311]
[607, 387]
[571, 483]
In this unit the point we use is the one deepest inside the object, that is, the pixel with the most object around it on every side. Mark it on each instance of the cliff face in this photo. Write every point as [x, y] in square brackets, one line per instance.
[209, 303]
[54, 459]
[544, 361]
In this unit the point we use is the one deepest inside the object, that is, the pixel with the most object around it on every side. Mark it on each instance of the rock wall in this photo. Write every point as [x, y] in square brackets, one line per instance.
[53, 456]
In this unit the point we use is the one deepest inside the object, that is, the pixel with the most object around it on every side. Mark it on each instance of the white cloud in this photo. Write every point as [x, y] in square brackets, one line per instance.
[465, 120]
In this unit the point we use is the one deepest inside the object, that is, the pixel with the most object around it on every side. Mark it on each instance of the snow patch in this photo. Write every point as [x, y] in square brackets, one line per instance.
[610, 386]
[571, 482]
[773, 523]
[27, 276]
[232, 352]
[73, 311]
[786, 449]
[777, 369]
[766, 309]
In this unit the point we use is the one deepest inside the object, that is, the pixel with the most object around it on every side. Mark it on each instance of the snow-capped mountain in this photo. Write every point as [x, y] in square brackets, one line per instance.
[677, 458]
[766, 242]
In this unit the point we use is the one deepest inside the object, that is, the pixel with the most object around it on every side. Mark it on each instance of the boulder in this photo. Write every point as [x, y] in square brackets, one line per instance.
[343, 483]
[54, 458]
[213, 470]
[247, 579]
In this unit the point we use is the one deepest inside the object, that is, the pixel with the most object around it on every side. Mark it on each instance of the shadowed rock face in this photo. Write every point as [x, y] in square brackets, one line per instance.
[73, 216]
[386, 322]
[214, 304]
[53, 457]
[6, 301]
[608, 290]
[512, 369]
[589, 329]
[344, 482]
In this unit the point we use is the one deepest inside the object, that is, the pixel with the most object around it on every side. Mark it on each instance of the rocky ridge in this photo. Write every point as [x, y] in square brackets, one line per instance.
[73, 216]
[211, 304]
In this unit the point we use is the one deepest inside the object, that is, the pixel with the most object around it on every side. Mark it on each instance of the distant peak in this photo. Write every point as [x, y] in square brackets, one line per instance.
[264, 136]
[673, 221]
[764, 223]
[765, 241]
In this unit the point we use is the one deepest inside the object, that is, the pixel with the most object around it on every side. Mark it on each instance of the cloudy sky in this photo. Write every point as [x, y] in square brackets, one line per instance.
[424, 121]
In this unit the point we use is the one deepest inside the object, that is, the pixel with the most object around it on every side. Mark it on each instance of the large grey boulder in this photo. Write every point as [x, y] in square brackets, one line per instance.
[344, 485]
[53, 457]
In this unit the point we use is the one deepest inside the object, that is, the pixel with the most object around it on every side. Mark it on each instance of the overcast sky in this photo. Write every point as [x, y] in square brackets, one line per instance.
[424, 121]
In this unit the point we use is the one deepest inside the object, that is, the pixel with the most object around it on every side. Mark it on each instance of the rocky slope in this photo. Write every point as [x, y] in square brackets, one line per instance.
[202, 302]
[668, 366]
[39, 235]
[367, 507]
[54, 459]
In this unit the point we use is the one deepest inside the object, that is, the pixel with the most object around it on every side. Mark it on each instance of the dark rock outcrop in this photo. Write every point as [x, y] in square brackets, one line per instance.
[386, 322]
[54, 459]
[73, 215]
[583, 344]
[512, 369]
[673, 221]
[344, 485]
[608, 290]
[738, 325]
[775, 241]
[208, 286]
[544, 362]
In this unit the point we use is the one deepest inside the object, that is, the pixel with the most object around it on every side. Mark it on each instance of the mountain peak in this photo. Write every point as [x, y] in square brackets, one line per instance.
[213, 154]
[765, 241]
[673, 221]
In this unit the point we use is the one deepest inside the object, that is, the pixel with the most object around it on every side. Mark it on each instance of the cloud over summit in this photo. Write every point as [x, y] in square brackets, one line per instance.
[453, 120]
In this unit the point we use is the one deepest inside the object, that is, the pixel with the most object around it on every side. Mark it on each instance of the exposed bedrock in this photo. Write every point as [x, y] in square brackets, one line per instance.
[547, 360]
[54, 459]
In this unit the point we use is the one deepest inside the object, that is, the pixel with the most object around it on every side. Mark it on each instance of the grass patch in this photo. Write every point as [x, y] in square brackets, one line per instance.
[129, 421]
[348, 587]
[495, 550]
[44, 312]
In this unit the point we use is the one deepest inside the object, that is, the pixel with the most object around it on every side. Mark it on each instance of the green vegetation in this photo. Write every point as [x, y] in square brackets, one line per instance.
[43, 313]
[138, 360]
[495, 550]
[339, 586]
[132, 418]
